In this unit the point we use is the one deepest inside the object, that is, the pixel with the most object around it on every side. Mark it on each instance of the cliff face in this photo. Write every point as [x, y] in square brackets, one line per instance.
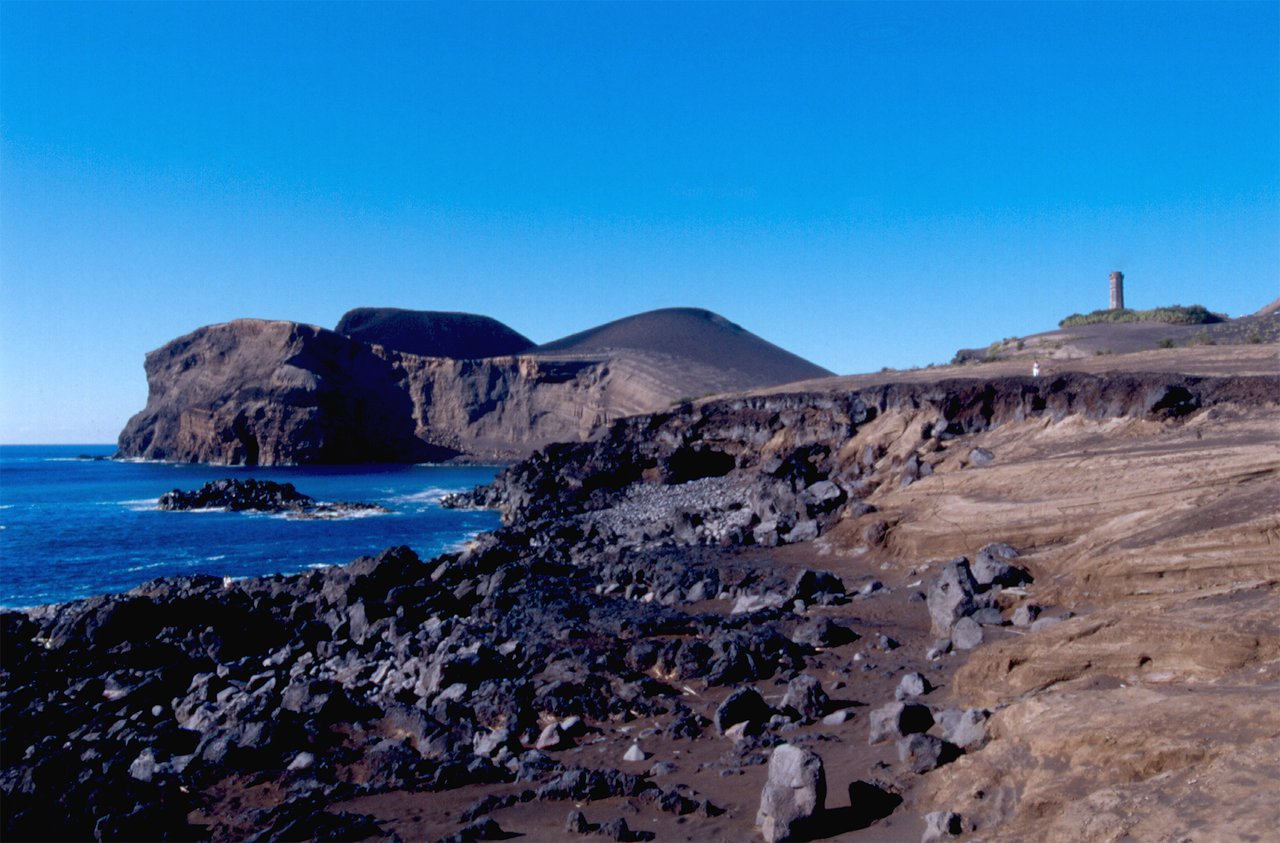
[275, 393]
[783, 443]
[252, 392]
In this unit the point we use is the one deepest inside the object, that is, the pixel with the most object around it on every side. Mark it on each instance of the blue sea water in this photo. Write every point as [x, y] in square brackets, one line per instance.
[71, 527]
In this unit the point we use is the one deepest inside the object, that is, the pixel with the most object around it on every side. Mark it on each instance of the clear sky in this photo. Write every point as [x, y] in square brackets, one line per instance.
[866, 185]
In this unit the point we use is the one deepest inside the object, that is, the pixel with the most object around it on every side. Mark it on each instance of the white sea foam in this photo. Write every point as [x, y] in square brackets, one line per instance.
[147, 567]
[28, 607]
[458, 547]
[494, 465]
[340, 514]
[463, 543]
[139, 505]
[430, 495]
[72, 459]
[349, 514]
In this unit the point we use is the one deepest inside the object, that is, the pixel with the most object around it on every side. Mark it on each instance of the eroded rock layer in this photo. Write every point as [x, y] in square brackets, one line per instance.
[272, 393]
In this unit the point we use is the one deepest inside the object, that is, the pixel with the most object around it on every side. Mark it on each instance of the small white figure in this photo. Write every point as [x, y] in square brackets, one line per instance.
[226, 582]
[1035, 369]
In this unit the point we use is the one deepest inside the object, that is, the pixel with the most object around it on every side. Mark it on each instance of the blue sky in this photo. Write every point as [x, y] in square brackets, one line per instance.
[867, 185]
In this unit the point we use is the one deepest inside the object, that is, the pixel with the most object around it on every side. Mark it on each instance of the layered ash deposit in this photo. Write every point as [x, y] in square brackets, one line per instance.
[402, 386]
[791, 454]
[635, 640]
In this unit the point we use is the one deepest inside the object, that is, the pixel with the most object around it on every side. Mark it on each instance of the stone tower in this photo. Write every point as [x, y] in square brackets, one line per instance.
[1117, 291]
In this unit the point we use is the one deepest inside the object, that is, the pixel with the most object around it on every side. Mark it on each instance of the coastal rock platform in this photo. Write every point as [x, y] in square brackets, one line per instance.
[667, 605]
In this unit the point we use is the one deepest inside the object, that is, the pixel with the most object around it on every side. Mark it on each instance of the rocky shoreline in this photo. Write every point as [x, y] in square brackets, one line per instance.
[625, 652]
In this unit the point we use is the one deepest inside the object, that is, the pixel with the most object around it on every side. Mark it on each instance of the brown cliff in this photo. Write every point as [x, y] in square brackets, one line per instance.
[276, 393]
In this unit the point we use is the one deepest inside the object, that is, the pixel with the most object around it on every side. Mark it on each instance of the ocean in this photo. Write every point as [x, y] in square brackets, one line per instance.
[73, 527]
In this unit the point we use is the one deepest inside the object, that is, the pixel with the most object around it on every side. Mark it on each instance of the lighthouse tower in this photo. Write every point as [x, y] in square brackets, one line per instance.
[1117, 290]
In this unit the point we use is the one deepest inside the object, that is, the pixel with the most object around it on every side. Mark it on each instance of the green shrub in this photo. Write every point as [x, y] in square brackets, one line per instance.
[1167, 342]
[1173, 314]
[1203, 338]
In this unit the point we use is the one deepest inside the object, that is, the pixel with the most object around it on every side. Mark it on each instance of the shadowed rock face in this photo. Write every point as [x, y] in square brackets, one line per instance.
[431, 333]
[254, 392]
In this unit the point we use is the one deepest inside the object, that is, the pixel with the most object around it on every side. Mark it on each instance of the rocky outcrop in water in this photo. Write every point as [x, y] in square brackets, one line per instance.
[259, 496]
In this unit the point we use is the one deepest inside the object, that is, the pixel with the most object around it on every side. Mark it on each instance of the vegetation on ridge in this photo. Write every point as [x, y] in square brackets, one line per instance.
[1176, 314]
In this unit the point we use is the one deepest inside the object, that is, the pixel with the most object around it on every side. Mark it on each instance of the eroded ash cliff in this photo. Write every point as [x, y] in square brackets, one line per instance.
[799, 450]
[270, 393]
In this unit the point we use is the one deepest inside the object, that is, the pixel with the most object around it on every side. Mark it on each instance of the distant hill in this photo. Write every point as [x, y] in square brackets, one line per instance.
[411, 386]
[1120, 337]
[695, 335]
[433, 333]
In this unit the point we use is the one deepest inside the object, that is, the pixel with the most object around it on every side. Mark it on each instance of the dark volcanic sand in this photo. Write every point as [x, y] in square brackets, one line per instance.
[710, 766]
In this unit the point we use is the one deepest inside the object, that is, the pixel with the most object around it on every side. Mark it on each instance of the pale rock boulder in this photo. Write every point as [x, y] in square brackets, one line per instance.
[635, 753]
[941, 825]
[992, 566]
[966, 634]
[966, 729]
[952, 595]
[1026, 614]
[794, 794]
[912, 685]
[553, 737]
